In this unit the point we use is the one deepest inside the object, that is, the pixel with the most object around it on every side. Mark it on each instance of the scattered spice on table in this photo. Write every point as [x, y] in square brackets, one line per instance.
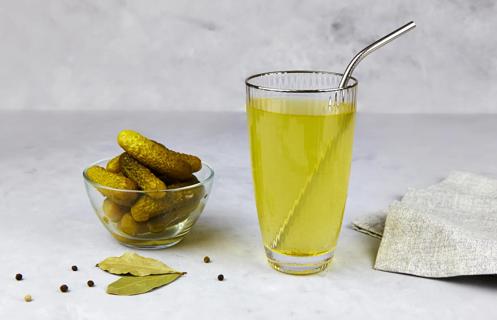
[18, 277]
[74, 268]
[64, 288]
[90, 283]
[207, 259]
[220, 277]
[28, 298]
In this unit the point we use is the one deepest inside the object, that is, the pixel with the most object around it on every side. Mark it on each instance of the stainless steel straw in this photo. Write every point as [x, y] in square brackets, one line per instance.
[343, 83]
[372, 47]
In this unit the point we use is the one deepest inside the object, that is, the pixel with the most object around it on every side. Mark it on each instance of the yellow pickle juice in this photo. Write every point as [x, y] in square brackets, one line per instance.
[301, 152]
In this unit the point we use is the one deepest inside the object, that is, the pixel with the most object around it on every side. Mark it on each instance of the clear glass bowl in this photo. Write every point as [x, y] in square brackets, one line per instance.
[169, 214]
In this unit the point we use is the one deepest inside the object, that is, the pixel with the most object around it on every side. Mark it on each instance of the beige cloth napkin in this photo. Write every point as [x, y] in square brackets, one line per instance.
[448, 229]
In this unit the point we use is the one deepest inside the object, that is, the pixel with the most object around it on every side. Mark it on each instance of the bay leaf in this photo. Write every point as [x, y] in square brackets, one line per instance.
[128, 286]
[134, 264]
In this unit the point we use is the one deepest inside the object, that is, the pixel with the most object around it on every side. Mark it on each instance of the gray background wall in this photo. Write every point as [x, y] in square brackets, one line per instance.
[159, 55]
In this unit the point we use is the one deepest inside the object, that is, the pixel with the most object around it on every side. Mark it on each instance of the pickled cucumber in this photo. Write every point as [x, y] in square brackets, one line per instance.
[193, 180]
[129, 226]
[192, 160]
[146, 207]
[145, 179]
[187, 196]
[113, 211]
[158, 224]
[161, 223]
[154, 156]
[109, 179]
[113, 165]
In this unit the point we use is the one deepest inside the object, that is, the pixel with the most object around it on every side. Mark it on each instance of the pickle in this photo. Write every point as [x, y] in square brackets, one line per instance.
[109, 179]
[146, 207]
[129, 226]
[182, 184]
[158, 224]
[113, 211]
[174, 184]
[187, 196]
[142, 176]
[192, 160]
[153, 155]
[161, 223]
[113, 165]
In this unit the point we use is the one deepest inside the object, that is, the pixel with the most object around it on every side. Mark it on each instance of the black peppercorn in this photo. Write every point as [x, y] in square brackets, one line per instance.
[207, 259]
[18, 277]
[64, 288]
[74, 268]
[90, 283]
[220, 277]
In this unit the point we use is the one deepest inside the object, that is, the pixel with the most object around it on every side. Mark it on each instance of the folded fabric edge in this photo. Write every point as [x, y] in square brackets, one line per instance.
[383, 259]
[436, 276]
[366, 231]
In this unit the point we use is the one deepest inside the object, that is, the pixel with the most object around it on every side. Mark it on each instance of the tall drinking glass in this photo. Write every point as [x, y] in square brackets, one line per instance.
[301, 132]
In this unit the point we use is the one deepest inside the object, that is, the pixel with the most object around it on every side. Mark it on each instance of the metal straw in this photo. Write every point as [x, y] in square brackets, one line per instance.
[343, 83]
[372, 47]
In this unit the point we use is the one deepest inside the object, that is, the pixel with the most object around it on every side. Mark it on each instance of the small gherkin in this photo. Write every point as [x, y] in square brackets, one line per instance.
[131, 227]
[147, 208]
[160, 223]
[154, 156]
[113, 165]
[182, 184]
[113, 211]
[192, 160]
[145, 179]
[109, 179]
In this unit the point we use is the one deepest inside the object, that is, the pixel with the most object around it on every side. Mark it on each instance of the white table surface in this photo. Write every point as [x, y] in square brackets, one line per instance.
[47, 223]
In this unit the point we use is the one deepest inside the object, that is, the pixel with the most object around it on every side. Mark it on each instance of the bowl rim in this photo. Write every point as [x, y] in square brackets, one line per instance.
[205, 165]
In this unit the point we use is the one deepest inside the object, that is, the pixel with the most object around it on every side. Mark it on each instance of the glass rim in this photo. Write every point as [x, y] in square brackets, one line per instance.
[248, 82]
[210, 176]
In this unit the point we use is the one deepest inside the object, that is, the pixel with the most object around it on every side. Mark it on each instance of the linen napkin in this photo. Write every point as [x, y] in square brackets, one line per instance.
[448, 229]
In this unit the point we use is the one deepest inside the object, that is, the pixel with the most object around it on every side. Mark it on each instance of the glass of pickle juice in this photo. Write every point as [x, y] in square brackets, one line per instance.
[301, 129]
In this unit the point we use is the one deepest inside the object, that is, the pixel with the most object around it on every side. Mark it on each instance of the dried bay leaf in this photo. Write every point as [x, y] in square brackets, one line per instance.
[134, 264]
[127, 286]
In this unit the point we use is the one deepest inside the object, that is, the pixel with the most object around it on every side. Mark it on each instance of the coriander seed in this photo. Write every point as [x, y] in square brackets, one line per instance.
[18, 277]
[220, 277]
[90, 283]
[64, 288]
[207, 259]
[74, 268]
[28, 298]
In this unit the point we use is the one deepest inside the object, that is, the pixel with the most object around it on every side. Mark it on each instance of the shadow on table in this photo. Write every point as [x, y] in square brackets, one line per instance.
[372, 248]
[204, 233]
[372, 245]
[482, 281]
